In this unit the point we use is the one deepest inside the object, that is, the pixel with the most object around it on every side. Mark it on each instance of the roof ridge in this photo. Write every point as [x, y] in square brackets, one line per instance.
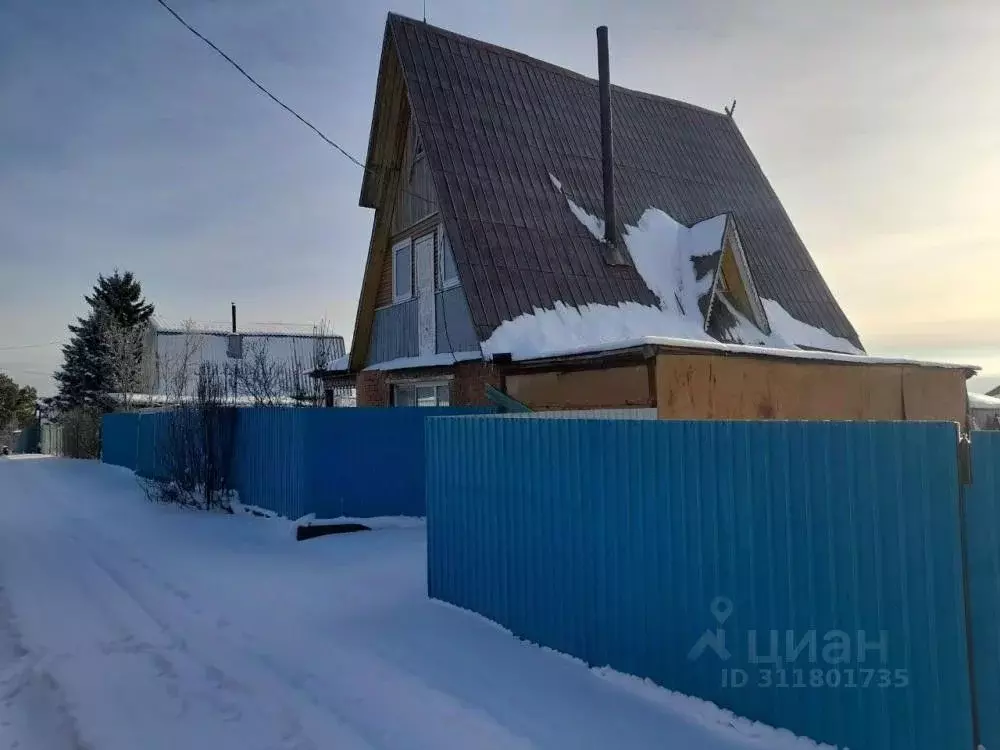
[545, 64]
[169, 331]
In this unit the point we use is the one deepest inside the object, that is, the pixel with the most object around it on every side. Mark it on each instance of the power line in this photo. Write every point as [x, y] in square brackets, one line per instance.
[30, 346]
[329, 141]
[254, 81]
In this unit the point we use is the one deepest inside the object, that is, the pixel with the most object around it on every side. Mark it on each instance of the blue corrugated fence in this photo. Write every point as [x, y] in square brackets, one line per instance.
[982, 516]
[331, 462]
[807, 575]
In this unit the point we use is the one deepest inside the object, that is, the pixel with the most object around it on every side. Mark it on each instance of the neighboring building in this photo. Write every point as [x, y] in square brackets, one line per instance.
[249, 362]
[995, 393]
[984, 411]
[488, 260]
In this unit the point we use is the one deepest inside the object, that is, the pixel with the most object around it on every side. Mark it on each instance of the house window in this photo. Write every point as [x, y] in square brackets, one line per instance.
[447, 271]
[234, 346]
[402, 271]
[421, 394]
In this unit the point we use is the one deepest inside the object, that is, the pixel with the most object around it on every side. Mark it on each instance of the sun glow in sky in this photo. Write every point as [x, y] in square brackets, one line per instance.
[126, 142]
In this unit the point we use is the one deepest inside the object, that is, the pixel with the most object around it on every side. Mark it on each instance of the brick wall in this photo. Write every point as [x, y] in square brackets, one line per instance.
[372, 388]
[468, 388]
[471, 378]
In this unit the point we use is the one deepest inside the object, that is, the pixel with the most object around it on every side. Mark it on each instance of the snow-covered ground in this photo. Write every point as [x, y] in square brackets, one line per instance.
[126, 625]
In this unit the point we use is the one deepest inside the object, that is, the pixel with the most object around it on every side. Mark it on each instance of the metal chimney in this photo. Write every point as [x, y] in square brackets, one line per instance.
[607, 141]
[234, 316]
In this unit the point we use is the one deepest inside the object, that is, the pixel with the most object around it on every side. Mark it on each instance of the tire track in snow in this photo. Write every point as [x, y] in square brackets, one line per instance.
[234, 690]
[356, 685]
[33, 713]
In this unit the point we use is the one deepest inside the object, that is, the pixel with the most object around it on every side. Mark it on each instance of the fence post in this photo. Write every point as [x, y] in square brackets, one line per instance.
[970, 651]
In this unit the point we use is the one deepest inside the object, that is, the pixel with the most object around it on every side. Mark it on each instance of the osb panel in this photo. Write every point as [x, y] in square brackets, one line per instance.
[615, 387]
[721, 387]
[931, 393]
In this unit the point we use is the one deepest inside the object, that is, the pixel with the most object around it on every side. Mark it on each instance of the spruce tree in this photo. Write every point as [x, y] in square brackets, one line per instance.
[85, 378]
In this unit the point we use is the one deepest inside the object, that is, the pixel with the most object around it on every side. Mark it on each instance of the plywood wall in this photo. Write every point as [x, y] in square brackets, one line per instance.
[705, 386]
[932, 393]
[612, 388]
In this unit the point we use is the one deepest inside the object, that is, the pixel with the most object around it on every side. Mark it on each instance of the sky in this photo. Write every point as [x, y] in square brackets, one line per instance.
[126, 143]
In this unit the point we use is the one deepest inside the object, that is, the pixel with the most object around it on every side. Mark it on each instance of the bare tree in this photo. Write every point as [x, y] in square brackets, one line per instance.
[123, 351]
[217, 417]
[179, 366]
[260, 377]
[197, 445]
[322, 345]
[322, 357]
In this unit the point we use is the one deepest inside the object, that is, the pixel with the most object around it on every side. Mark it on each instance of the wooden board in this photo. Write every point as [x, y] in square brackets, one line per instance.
[710, 386]
[611, 388]
[931, 393]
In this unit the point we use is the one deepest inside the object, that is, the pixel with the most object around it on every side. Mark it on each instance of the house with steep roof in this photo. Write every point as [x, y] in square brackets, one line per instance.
[580, 245]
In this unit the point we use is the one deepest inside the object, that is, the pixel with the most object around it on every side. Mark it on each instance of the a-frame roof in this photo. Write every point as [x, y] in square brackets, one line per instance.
[496, 124]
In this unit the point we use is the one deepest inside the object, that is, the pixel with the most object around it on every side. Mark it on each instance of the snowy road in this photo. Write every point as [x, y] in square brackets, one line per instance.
[126, 625]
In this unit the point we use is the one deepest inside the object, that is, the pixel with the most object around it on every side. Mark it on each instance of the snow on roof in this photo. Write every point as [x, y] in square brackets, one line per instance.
[721, 346]
[223, 328]
[213, 346]
[664, 251]
[428, 360]
[982, 401]
[341, 364]
[251, 334]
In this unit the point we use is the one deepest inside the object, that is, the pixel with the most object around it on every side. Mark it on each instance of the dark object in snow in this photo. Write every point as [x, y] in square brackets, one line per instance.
[311, 532]
[5, 451]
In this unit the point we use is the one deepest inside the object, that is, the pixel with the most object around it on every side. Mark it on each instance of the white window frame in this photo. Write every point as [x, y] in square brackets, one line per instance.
[406, 245]
[444, 283]
[415, 384]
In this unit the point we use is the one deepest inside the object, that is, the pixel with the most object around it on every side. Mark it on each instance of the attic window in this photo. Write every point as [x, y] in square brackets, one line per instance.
[723, 284]
[418, 148]
[448, 271]
[402, 272]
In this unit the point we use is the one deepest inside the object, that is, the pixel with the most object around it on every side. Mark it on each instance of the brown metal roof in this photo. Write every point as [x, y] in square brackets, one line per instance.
[495, 123]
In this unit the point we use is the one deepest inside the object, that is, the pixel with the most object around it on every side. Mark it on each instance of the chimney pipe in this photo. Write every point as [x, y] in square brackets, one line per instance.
[607, 142]
[234, 316]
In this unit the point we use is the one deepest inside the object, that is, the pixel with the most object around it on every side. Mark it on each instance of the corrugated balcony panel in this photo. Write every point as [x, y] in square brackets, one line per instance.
[394, 333]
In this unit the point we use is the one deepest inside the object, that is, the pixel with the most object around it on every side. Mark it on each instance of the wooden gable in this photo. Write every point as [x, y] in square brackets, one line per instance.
[415, 197]
[734, 282]
[380, 189]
